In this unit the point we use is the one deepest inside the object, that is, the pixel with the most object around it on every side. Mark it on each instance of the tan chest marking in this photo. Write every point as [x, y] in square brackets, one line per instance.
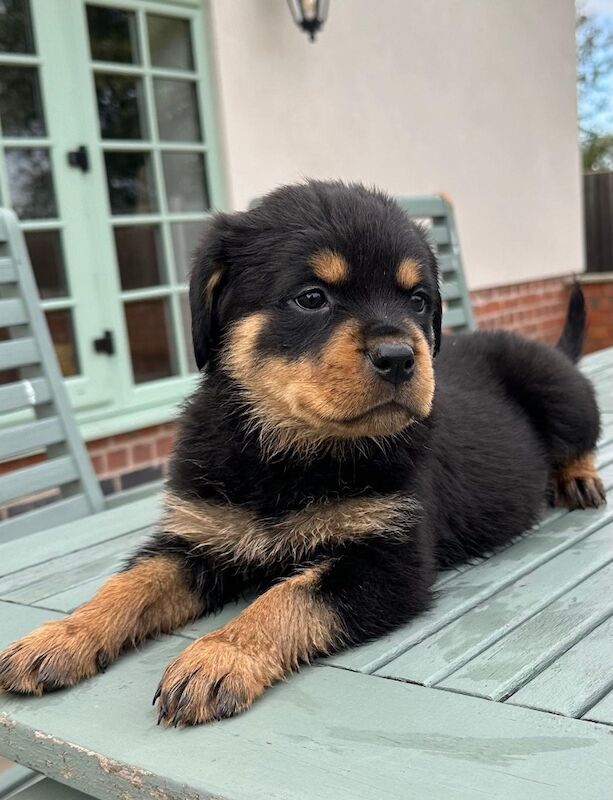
[236, 534]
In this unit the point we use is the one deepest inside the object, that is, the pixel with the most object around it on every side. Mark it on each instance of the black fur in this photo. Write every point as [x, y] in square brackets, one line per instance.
[507, 412]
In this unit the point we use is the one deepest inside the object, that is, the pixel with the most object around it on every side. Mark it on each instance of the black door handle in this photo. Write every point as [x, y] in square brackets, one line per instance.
[79, 158]
[105, 344]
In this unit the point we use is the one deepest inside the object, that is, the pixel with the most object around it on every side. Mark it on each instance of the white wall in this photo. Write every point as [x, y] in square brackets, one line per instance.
[475, 98]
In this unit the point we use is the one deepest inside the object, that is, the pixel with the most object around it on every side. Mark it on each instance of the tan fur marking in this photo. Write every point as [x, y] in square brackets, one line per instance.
[330, 267]
[408, 273]
[211, 285]
[423, 383]
[222, 673]
[334, 395]
[234, 533]
[150, 598]
[577, 484]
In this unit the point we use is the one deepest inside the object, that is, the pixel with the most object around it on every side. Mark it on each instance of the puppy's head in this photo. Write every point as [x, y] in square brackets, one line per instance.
[322, 305]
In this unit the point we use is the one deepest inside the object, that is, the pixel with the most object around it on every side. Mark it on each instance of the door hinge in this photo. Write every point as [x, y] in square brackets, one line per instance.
[105, 344]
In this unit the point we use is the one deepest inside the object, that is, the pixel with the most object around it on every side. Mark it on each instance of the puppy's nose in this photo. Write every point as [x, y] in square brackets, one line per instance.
[393, 361]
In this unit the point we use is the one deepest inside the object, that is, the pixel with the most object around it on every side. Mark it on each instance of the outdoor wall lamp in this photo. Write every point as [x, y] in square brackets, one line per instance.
[309, 15]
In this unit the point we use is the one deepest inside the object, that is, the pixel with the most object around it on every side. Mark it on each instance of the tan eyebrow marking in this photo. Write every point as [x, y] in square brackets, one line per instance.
[329, 267]
[408, 273]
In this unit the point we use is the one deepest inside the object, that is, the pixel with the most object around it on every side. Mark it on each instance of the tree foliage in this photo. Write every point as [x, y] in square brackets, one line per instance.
[594, 74]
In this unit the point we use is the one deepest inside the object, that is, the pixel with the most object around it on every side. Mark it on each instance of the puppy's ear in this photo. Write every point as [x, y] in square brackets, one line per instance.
[208, 274]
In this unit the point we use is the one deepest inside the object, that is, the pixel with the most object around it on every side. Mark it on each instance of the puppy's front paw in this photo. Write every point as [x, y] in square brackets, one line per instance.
[57, 654]
[212, 679]
[578, 485]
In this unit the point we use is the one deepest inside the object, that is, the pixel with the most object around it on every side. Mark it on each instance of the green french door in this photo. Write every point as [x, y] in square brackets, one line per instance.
[108, 156]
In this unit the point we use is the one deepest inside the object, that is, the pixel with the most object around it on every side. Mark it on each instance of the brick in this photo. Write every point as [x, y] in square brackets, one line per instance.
[163, 447]
[141, 453]
[98, 463]
[117, 459]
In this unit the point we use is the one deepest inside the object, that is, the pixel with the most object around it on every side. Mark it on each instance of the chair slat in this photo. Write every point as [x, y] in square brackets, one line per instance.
[12, 312]
[439, 233]
[18, 353]
[30, 437]
[59, 512]
[37, 478]
[25, 393]
[451, 290]
[49, 426]
[8, 273]
[428, 206]
[455, 318]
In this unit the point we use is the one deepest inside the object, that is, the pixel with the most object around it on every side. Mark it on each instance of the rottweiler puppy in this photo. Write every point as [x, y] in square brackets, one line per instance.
[331, 459]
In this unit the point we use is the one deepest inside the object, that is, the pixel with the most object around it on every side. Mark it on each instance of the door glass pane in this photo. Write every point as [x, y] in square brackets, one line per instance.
[185, 238]
[139, 255]
[186, 319]
[186, 185]
[149, 333]
[170, 42]
[177, 110]
[112, 34]
[30, 182]
[121, 107]
[15, 27]
[62, 333]
[130, 182]
[45, 249]
[21, 108]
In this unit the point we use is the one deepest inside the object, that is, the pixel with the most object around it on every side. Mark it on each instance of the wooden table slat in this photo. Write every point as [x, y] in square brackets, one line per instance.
[525, 651]
[433, 659]
[341, 734]
[578, 679]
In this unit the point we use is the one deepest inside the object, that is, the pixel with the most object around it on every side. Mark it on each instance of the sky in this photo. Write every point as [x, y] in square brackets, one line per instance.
[602, 12]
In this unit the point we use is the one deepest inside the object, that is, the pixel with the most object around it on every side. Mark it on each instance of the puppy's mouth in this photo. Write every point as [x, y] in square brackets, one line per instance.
[377, 411]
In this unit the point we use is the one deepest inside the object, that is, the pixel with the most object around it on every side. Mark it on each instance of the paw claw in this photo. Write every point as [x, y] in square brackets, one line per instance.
[211, 680]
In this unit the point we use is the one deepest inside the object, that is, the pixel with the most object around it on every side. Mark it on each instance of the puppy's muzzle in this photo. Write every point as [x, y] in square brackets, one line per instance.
[393, 362]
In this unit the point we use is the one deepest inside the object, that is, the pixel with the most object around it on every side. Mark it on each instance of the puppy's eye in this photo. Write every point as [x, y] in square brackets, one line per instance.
[419, 302]
[311, 300]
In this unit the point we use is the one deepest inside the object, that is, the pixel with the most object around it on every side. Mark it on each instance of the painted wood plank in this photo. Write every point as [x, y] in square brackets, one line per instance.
[17, 619]
[79, 535]
[8, 273]
[42, 580]
[18, 353]
[602, 711]
[604, 393]
[594, 361]
[70, 598]
[341, 734]
[433, 659]
[37, 478]
[454, 317]
[31, 437]
[575, 681]
[48, 516]
[23, 394]
[513, 660]
[423, 206]
[467, 589]
[451, 290]
[12, 312]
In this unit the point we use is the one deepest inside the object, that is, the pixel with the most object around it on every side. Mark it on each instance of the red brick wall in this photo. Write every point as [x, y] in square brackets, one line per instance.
[131, 459]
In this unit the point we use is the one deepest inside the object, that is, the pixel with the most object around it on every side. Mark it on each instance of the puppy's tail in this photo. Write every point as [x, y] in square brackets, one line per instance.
[573, 333]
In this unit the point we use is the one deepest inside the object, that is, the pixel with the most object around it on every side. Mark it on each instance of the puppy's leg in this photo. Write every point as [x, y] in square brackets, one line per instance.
[578, 485]
[152, 596]
[321, 609]
[560, 401]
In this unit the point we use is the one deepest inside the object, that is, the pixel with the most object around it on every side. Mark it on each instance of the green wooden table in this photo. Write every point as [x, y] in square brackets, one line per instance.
[505, 690]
